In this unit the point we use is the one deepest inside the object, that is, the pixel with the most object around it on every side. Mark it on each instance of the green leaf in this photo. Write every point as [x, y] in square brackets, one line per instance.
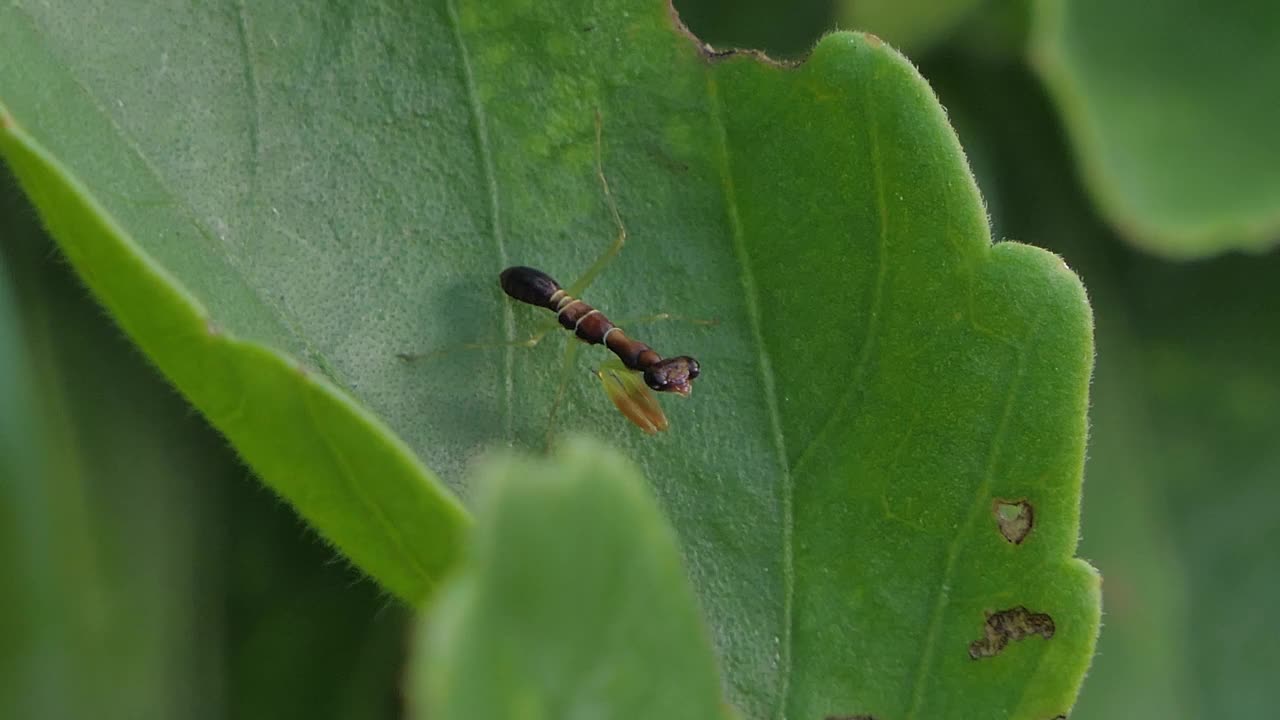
[1140, 669]
[1179, 509]
[1171, 108]
[573, 603]
[880, 377]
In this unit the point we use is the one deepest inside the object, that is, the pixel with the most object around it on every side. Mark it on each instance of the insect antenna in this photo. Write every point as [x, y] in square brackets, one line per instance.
[577, 286]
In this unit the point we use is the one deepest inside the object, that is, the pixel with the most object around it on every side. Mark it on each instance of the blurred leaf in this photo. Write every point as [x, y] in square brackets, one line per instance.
[573, 604]
[1173, 109]
[913, 25]
[108, 503]
[305, 637]
[997, 31]
[880, 378]
[1182, 462]
[145, 576]
[994, 28]
[784, 30]
[1210, 337]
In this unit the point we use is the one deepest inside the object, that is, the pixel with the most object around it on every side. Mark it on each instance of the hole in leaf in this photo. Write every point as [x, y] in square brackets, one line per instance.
[1009, 626]
[1014, 518]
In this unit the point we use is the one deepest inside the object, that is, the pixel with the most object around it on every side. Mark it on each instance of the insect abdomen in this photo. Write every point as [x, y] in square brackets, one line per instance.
[529, 286]
[535, 287]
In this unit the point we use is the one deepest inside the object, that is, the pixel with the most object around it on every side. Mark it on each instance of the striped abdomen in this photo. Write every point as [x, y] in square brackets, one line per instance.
[591, 326]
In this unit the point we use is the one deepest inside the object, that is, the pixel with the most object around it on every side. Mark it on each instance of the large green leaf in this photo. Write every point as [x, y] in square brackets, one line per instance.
[344, 186]
[1173, 112]
[574, 603]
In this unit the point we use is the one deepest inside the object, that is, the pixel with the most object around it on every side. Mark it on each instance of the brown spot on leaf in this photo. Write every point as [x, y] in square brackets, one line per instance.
[1014, 518]
[873, 40]
[6, 120]
[1009, 626]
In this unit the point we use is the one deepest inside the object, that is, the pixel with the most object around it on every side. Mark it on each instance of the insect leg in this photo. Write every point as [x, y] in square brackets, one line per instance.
[576, 288]
[659, 317]
[566, 368]
[531, 341]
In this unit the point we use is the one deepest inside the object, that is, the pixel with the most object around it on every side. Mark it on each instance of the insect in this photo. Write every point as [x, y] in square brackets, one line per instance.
[591, 326]
[638, 369]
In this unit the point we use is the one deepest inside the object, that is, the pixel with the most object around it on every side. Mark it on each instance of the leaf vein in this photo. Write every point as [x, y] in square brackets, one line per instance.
[877, 297]
[979, 504]
[485, 151]
[767, 379]
[255, 99]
